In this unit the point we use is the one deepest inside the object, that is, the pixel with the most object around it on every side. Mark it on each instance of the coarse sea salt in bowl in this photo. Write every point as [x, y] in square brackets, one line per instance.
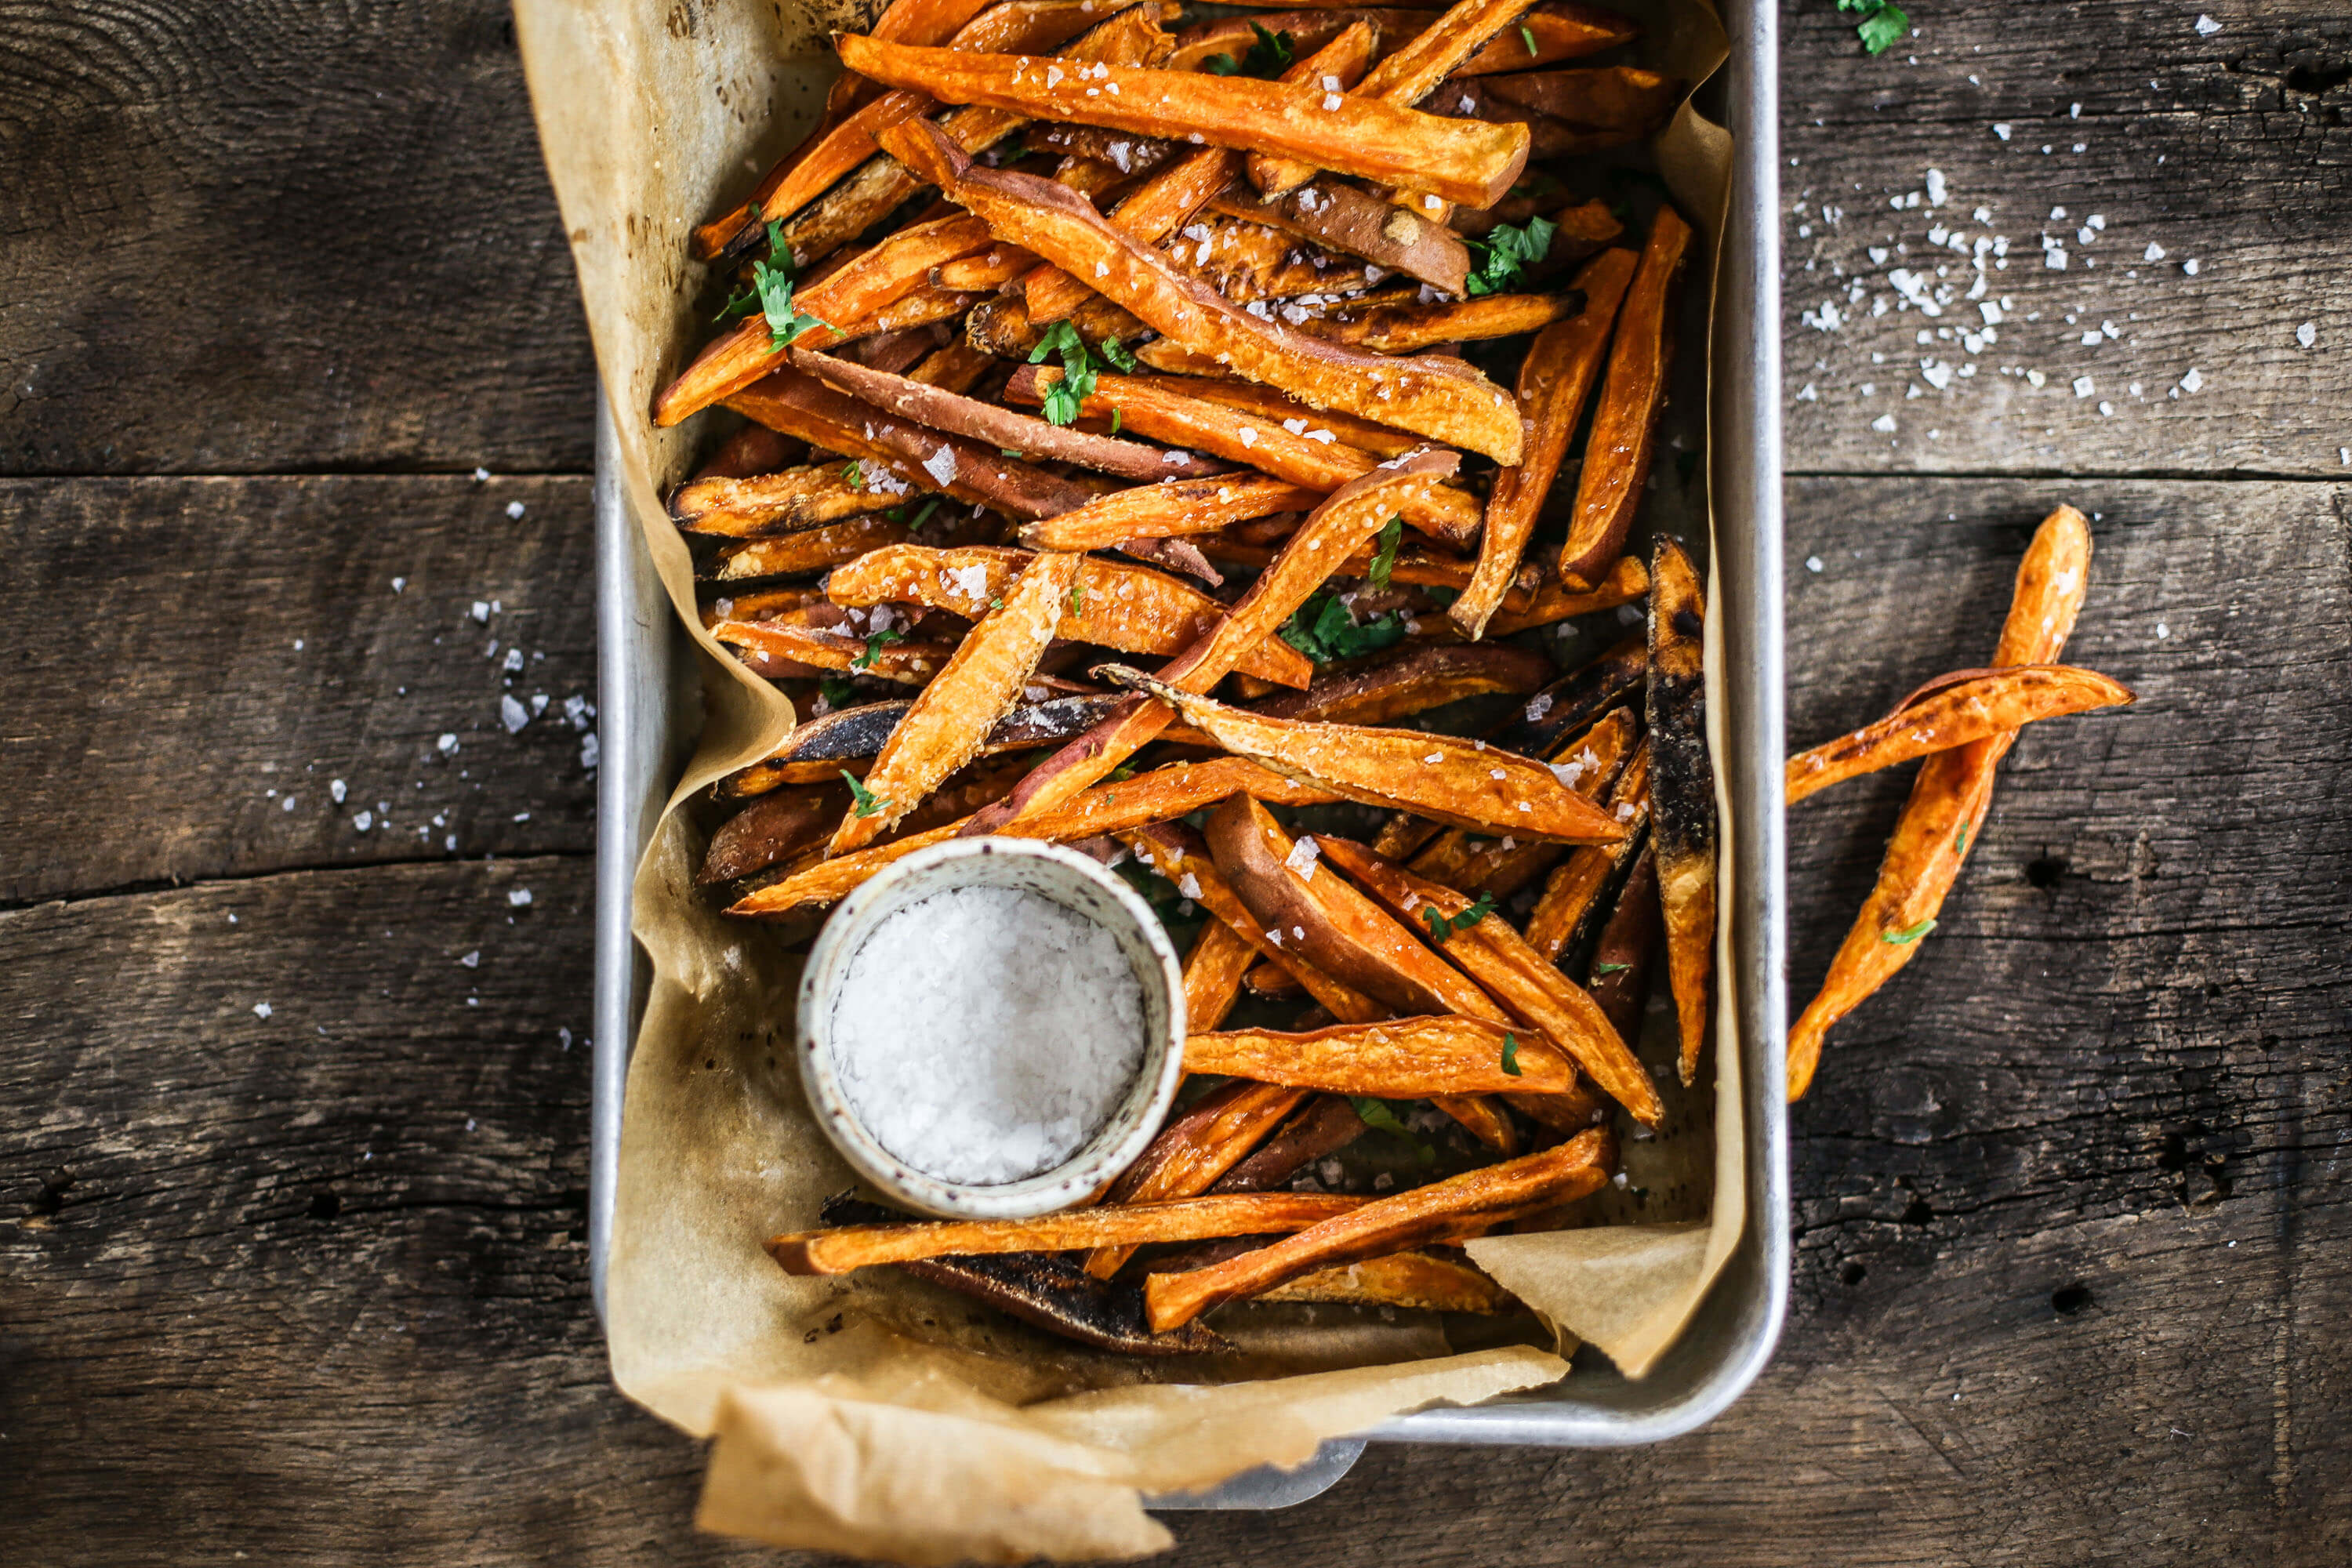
[991, 1028]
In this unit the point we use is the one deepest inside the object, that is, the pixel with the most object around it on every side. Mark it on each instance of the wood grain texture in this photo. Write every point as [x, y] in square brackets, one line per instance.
[2231, 152]
[247, 236]
[187, 656]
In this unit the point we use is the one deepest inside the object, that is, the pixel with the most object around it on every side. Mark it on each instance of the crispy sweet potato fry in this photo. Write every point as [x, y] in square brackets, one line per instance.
[1981, 704]
[1249, 397]
[1682, 789]
[1576, 699]
[1366, 137]
[1113, 604]
[1472, 863]
[770, 830]
[1619, 975]
[851, 735]
[1454, 1209]
[752, 450]
[1347, 219]
[810, 550]
[1562, 32]
[847, 1248]
[1213, 971]
[773, 503]
[1213, 1134]
[1625, 421]
[1554, 381]
[1411, 680]
[1462, 782]
[1609, 97]
[1160, 795]
[1159, 512]
[1948, 801]
[910, 663]
[1555, 601]
[1446, 400]
[1324, 1125]
[1271, 981]
[1399, 327]
[1550, 140]
[1419, 1280]
[1163, 408]
[1573, 892]
[958, 367]
[1411, 1058]
[1501, 961]
[946, 724]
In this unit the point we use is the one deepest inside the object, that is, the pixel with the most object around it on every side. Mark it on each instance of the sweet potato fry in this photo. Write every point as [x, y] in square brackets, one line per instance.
[1349, 218]
[1420, 1280]
[1160, 795]
[1554, 380]
[991, 269]
[773, 503]
[770, 830]
[1411, 1058]
[910, 663]
[1624, 582]
[1948, 801]
[1411, 680]
[1550, 140]
[946, 724]
[1405, 328]
[1454, 1209]
[958, 367]
[1609, 97]
[1163, 408]
[1625, 421]
[748, 843]
[1325, 1124]
[1357, 135]
[1269, 980]
[1472, 863]
[1561, 31]
[1574, 891]
[1245, 262]
[1980, 705]
[750, 452]
[1619, 977]
[1213, 971]
[1462, 782]
[1682, 789]
[852, 735]
[1160, 512]
[1576, 699]
[851, 1247]
[1310, 30]
[1113, 604]
[1446, 400]
[1212, 1135]
[1249, 397]
[796, 555]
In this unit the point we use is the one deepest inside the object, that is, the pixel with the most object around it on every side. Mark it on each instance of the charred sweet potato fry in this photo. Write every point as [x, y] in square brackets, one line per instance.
[1410, 1058]
[1554, 381]
[1682, 789]
[1451, 1210]
[1574, 891]
[810, 550]
[1214, 971]
[910, 663]
[1160, 795]
[1212, 1135]
[1576, 699]
[1325, 1124]
[1502, 964]
[851, 735]
[1948, 801]
[1619, 977]
[774, 503]
[1452, 780]
[1625, 420]
[1472, 863]
[1420, 1280]
[1161, 511]
[1446, 401]
[850, 1246]
[1976, 706]
[948, 723]
[1112, 603]
[1411, 680]
[1357, 135]
[1349, 218]
[1609, 97]
[770, 830]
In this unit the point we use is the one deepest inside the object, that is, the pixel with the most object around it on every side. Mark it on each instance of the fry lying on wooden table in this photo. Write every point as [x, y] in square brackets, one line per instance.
[1109, 373]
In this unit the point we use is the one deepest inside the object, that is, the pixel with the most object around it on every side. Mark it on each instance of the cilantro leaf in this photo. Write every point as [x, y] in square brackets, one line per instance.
[1063, 398]
[1269, 56]
[1883, 23]
[835, 690]
[1506, 253]
[869, 803]
[874, 643]
[1077, 596]
[1323, 629]
[853, 474]
[1380, 1117]
[1221, 65]
[1115, 355]
[1384, 554]
[1610, 968]
[1906, 937]
[1511, 1055]
[1527, 37]
[1442, 926]
[1960, 843]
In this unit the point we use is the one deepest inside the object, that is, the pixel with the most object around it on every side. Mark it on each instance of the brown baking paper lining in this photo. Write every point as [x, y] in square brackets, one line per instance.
[878, 1415]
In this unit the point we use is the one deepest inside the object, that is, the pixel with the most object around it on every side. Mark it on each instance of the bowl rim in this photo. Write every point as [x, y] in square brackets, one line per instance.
[1131, 1126]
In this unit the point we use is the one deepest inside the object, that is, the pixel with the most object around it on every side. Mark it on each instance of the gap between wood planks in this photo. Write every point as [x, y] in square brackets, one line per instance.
[148, 887]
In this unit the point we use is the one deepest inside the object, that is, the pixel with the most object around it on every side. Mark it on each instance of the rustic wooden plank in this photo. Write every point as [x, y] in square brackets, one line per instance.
[262, 236]
[188, 656]
[2229, 152]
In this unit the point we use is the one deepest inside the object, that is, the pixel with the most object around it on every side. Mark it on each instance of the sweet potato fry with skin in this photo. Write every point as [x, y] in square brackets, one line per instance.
[852, 735]
[1446, 400]
[1373, 139]
[915, 308]
[1212, 1135]
[1325, 1124]
[1454, 1209]
[760, 604]
[1502, 964]
[1249, 397]
[1160, 512]
[1470, 863]
[1270, 980]
[1578, 699]
[1442, 777]
[946, 726]
[1682, 789]
[1399, 329]
[1625, 421]
[846, 1247]
[1609, 97]
[1550, 140]
[750, 452]
[1214, 971]
[1621, 584]
[770, 831]
[742, 848]
[773, 503]
[1163, 408]
[1244, 261]
[1950, 799]
[1573, 891]
[1562, 32]
[958, 367]
[1160, 795]
[1554, 381]
[1411, 680]
[991, 270]
[1310, 30]
[1620, 973]
[1419, 1280]
[908, 663]
[1411, 1058]
[1982, 705]
[1113, 604]
[1347, 219]
[1353, 515]
[998, 426]
[810, 550]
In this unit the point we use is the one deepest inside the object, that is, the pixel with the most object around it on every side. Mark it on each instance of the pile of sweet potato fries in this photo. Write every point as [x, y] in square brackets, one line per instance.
[1094, 376]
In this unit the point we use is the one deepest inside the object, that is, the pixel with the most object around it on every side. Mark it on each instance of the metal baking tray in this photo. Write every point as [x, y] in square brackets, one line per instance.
[648, 712]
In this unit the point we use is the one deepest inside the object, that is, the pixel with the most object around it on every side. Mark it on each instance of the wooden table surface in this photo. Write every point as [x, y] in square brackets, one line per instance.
[293, 1088]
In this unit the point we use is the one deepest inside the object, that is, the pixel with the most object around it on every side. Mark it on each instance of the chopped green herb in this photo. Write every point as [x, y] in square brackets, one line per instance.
[1114, 421]
[1010, 452]
[1115, 355]
[1610, 968]
[836, 690]
[1960, 844]
[1268, 58]
[1324, 631]
[931, 506]
[853, 474]
[869, 803]
[1441, 926]
[1511, 1055]
[1527, 37]
[1077, 596]
[1883, 23]
[1220, 65]
[1062, 400]
[874, 643]
[996, 603]
[1123, 772]
[1906, 938]
[1380, 1117]
[1506, 252]
[1384, 554]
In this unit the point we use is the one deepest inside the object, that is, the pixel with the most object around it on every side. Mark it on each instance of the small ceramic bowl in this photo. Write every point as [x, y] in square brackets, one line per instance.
[1077, 883]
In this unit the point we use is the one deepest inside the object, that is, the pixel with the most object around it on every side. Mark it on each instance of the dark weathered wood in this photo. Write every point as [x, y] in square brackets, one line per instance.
[2233, 152]
[187, 655]
[249, 236]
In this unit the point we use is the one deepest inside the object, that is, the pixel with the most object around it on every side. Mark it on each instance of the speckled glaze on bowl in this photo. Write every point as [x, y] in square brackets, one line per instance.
[1078, 884]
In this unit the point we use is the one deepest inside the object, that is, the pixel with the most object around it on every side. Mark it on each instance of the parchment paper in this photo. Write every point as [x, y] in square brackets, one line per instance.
[876, 1414]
